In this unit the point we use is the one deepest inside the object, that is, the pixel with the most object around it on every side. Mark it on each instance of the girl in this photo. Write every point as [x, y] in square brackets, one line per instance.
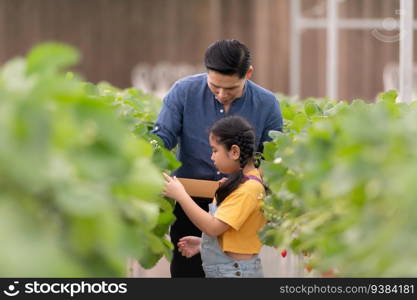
[229, 244]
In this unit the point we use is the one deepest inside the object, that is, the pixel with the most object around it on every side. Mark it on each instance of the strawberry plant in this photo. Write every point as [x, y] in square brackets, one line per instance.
[343, 185]
[79, 175]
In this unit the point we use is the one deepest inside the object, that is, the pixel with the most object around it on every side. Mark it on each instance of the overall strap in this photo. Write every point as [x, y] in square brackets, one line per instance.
[253, 177]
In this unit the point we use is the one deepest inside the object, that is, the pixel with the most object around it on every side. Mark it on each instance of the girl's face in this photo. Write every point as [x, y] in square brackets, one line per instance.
[226, 161]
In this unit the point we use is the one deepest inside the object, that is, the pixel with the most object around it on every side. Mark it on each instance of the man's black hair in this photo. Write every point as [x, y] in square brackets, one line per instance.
[228, 57]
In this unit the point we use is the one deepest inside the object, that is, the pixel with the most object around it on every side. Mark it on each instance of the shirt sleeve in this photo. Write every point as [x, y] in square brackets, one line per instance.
[239, 205]
[169, 122]
[273, 122]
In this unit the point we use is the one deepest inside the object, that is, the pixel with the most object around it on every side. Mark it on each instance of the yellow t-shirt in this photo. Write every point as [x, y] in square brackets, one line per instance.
[241, 210]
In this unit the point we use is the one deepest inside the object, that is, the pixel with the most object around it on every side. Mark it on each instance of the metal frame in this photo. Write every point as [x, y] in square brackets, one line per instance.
[406, 51]
[332, 24]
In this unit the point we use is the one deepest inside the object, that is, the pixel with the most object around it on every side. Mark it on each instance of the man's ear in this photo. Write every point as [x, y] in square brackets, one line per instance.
[234, 152]
[249, 73]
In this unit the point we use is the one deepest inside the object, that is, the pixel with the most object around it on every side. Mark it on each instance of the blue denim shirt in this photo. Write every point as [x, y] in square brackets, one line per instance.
[190, 109]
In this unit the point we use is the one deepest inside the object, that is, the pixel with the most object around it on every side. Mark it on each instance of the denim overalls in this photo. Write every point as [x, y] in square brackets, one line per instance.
[217, 264]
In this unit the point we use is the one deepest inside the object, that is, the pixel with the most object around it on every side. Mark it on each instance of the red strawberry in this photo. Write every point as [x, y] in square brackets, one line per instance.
[284, 253]
[328, 273]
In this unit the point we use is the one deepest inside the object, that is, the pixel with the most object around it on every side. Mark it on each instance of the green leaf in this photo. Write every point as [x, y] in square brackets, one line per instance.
[51, 57]
[311, 108]
[389, 96]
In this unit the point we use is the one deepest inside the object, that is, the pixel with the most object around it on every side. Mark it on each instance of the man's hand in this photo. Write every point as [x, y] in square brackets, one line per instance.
[174, 188]
[189, 246]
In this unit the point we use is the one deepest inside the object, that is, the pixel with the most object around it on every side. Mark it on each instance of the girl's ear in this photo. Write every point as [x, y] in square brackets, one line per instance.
[234, 152]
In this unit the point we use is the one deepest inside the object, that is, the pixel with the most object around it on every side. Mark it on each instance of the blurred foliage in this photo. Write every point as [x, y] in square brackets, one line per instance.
[80, 176]
[140, 112]
[343, 180]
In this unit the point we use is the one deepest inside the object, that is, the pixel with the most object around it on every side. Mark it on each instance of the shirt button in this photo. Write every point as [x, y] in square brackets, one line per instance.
[237, 273]
[156, 127]
[221, 110]
[218, 173]
[235, 265]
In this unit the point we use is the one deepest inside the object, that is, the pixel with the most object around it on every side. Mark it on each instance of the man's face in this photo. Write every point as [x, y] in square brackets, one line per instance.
[226, 88]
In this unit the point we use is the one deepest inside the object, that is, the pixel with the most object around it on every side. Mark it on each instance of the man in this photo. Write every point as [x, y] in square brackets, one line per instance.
[189, 110]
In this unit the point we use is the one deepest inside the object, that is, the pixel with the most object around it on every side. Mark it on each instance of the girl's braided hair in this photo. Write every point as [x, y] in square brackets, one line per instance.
[229, 131]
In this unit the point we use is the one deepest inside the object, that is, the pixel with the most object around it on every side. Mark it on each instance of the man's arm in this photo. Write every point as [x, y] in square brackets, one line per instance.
[273, 122]
[169, 123]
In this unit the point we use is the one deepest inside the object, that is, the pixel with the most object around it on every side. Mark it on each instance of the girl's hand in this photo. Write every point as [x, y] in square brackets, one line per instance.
[173, 188]
[189, 246]
[223, 180]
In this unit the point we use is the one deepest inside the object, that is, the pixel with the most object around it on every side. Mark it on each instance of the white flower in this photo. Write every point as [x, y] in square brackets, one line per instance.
[278, 160]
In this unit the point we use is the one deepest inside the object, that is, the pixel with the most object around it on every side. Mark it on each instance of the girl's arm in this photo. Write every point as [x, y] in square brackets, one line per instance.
[202, 219]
